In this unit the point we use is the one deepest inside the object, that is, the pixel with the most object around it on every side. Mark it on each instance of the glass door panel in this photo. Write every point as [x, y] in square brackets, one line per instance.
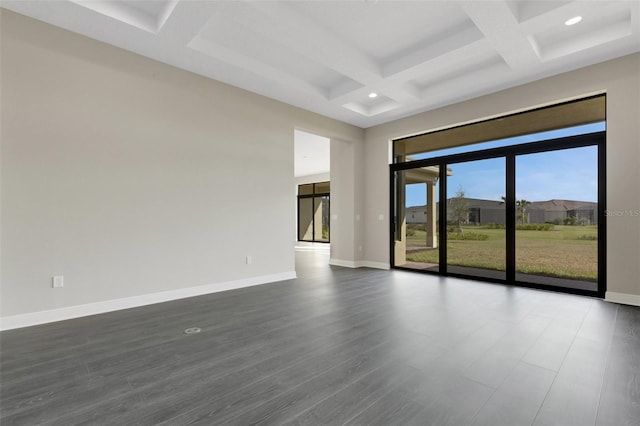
[557, 218]
[321, 219]
[305, 219]
[415, 244]
[476, 218]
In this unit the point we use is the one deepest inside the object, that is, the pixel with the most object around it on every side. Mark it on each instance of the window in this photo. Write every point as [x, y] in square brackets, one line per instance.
[313, 212]
[530, 214]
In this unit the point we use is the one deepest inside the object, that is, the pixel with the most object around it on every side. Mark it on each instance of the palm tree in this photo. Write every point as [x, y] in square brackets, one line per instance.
[521, 206]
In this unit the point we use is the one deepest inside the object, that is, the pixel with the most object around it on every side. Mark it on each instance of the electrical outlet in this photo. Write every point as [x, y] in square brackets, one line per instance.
[57, 281]
[249, 260]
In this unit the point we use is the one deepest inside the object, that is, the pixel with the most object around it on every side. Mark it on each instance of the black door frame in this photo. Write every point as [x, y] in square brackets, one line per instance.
[313, 219]
[509, 153]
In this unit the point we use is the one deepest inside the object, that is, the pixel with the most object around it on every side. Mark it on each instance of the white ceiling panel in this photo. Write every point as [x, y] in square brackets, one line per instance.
[251, 42]
[595, 29]
[383, 30]
[145, 15]
[469, 67]
[327, 56]
[528, 9]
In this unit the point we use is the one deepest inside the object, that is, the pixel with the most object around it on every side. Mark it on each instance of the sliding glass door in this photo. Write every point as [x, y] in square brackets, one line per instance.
[321, 219]
[305, 219]
[557, 218]
[313, 212]
[528, 214]
[415, 233]
[476, 218]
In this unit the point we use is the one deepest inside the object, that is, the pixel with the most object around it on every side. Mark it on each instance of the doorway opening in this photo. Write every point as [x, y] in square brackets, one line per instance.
[312, 164]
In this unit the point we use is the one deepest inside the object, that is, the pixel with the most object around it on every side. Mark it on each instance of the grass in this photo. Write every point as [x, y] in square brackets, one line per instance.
[564, 252]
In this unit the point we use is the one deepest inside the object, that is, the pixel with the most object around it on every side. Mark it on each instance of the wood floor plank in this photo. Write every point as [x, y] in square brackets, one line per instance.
[457, 402]
[228, 387]
[574, 395]
[620, 398]
[347, 403]
[84, 394]
[628, 323]
[551, 348]
[334, 346]
[392, 409]
[277, 382]
[164, 328]
[518, 399]
[301, 397]
[105, 356]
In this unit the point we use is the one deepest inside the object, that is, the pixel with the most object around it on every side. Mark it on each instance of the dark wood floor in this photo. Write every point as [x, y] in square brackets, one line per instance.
[336, 346]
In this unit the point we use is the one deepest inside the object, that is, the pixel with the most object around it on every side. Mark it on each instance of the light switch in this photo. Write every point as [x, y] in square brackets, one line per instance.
[57, 281]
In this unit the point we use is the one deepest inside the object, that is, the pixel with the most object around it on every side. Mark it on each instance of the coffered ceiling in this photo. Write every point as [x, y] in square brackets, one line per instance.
[329, 56]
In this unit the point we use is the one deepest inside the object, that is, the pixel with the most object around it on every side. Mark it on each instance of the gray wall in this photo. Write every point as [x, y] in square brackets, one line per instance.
[130, 177]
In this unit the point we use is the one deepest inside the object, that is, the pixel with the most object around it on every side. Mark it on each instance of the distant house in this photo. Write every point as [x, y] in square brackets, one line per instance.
[556, 211]
[482, 212]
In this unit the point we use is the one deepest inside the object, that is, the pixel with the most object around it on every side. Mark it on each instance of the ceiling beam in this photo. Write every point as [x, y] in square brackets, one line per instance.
[281, 23]
[496, 21]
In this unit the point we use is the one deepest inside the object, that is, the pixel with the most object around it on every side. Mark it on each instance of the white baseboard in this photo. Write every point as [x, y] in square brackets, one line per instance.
[43, 317]
[345, 263]
[358, 264]
[624, 298]
[376, 265]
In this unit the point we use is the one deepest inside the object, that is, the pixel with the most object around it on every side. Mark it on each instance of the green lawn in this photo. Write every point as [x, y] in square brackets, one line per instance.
[566, 251]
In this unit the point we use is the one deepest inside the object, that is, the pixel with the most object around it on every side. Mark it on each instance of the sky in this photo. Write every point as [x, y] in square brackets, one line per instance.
[568, 174]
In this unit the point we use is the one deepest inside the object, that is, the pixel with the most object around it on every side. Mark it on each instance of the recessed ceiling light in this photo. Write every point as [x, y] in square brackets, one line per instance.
[373, 95]
[573, 20]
